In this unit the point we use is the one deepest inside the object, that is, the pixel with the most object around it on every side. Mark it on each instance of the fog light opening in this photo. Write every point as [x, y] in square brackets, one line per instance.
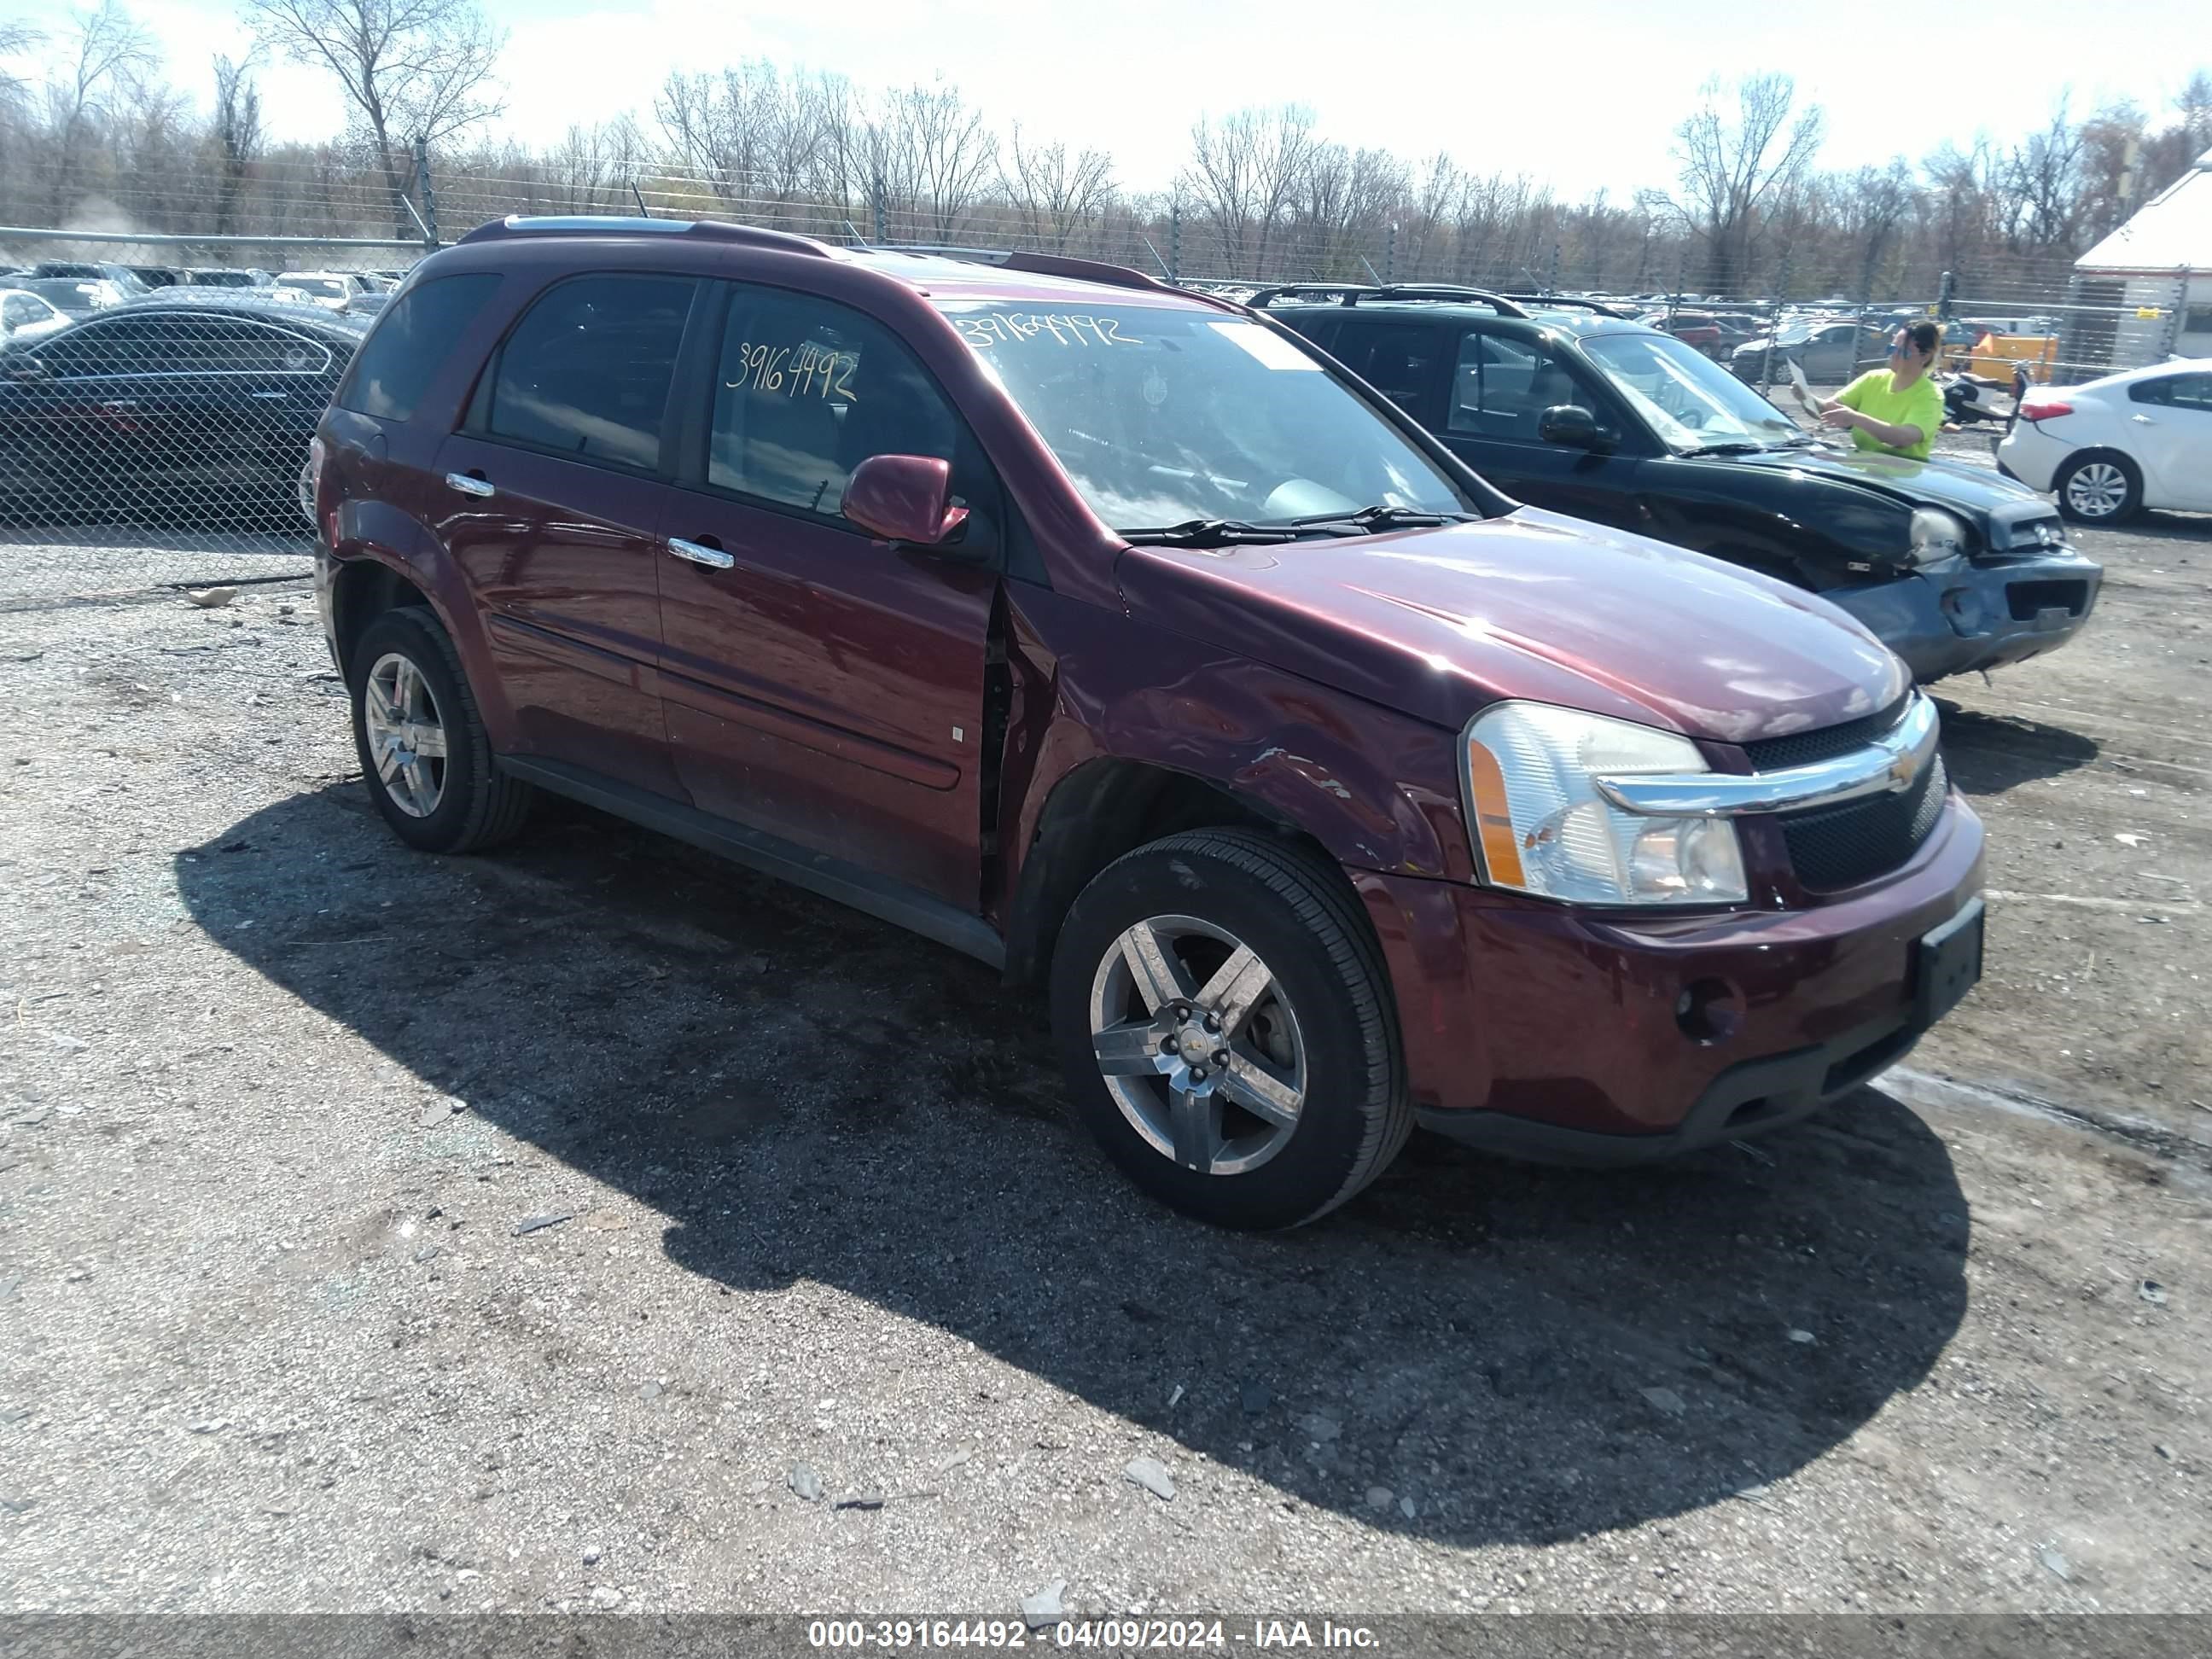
[1708, 1011]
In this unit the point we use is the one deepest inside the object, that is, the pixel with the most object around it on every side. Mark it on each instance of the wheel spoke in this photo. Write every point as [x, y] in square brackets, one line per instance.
[1236, 986]
[402, 689]
[1195, 1119]
[380, 711]
[1130, 1051]
[386, 750]
[1161, 977]
[1260, 1092]
[430, 741]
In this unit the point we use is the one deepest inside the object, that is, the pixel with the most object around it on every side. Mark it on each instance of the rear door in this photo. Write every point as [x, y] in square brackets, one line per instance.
[822, 685]
[70, 441]
[553, 491]
[2169, 430]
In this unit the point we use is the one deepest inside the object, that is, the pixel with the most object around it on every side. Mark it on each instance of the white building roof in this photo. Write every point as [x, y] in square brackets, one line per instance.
[2171, 232]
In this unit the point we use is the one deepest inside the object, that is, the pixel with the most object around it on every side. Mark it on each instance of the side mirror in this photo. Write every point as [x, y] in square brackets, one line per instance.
[1571, 426]
[903, 498]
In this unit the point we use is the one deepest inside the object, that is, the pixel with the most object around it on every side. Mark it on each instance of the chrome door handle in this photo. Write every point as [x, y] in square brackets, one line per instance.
[468, 486]
[2143, 420]
[272, 394]
[120, 402]
[713, 557]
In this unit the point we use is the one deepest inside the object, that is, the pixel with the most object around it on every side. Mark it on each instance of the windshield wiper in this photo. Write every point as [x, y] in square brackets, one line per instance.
[1210, 533]
[1375, 519]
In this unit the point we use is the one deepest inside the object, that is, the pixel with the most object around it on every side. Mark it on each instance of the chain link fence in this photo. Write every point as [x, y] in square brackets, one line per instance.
[168, 384]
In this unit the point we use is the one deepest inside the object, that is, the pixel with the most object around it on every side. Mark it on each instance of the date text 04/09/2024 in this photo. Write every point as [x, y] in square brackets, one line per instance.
[893, 1635]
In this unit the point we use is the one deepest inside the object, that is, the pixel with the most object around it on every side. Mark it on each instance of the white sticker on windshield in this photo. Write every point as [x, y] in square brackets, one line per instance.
[1269, 347]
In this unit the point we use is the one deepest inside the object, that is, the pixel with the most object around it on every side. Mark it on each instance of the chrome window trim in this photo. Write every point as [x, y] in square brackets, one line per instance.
[1891, 763]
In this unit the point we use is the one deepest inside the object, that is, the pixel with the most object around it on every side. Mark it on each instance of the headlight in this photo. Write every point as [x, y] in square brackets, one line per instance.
[1541, 827]
[1936, 535]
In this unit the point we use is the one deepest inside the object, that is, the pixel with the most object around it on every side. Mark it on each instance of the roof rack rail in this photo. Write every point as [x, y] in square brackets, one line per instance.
[1037, 264]
[1361, 293]
[588, 224]
[1563, 302]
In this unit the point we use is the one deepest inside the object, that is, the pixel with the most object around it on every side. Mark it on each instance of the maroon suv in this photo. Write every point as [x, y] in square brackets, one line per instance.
[1110, 634]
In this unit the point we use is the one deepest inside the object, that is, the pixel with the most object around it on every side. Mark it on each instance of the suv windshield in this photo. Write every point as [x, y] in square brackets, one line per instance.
[1161, 416]
[1690, 401]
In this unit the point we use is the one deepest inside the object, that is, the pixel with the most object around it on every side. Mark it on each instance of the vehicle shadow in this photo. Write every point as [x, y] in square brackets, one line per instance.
[1519, 1354]
[1988, 754]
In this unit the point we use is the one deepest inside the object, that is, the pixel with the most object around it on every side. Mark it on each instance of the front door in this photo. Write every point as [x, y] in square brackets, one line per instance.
[553, 492]
[823, 685]
[1499, 389]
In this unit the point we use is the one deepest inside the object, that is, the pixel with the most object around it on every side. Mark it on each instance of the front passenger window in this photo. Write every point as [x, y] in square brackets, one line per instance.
[808, 389]
[1501, 388]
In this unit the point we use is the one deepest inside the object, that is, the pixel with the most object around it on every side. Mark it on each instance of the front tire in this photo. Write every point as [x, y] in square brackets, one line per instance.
[424, 753]
[2099, 488]
[1221, 1013]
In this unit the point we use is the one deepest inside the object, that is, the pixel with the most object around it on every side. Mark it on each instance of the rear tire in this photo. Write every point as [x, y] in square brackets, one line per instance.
[2099, 487]
[424, 753]
[1264, 940]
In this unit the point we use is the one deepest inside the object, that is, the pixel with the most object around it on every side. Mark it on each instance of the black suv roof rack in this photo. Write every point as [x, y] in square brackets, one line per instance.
[590, 224]
[1037, 264]
[1562, 302]
[1362, 293]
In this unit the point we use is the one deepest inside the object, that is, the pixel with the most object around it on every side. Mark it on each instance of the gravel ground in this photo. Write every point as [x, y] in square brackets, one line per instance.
[386, 1232]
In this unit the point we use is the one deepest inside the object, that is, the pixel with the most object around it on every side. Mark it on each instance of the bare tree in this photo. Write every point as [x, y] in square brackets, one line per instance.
[930, 156]
[237, 136]
[412, 70]
[2039, 183]
[1243, 174]
[1733, 162]
[103, 51]
[1055, 196]
[1870, 208]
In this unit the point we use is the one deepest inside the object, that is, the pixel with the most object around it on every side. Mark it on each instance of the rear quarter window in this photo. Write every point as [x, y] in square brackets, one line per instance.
[410, 342]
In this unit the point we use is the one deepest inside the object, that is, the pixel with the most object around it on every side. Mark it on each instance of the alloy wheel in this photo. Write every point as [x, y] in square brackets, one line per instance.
[2097, 489]
[1198, 1045]
[406, 735]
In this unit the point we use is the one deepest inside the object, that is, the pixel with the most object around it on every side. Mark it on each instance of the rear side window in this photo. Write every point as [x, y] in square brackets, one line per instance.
[411, 340]
[2175, 391]
[1399, 360]
[587, 371]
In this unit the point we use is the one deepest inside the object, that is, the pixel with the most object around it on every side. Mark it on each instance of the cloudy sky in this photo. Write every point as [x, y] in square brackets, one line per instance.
[1584, 97]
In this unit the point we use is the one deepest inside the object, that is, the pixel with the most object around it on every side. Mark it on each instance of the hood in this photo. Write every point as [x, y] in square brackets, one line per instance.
[1976, 492]
[1440, 623]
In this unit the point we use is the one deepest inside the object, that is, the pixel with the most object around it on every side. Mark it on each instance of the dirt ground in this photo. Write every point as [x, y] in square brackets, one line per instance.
[386, 1232]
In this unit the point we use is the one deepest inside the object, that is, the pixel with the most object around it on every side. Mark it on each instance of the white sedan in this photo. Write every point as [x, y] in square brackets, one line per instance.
[25, 316]
[331, 289]
[2113, 446]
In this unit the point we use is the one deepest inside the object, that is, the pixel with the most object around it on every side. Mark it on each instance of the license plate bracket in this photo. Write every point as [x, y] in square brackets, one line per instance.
[1947, 963]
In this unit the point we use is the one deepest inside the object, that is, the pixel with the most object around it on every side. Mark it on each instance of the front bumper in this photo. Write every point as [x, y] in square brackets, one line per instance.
[1542, 1031]
[1963, 615]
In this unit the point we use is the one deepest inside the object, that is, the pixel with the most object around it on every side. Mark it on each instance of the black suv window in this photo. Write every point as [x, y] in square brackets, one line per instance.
[1401, 360]
[2175, 391]
[807, 390]
[19, 309]
[1501, 387]
[410, 342]
[585, 372]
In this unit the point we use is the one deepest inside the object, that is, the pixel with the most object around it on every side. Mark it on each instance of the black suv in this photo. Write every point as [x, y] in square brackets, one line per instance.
[1570, 405]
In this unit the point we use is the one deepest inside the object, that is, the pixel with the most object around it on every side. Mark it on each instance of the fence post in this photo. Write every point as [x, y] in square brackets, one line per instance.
[1945, 296]
[876, 201]
[1774, 325]
[429, 193]
[2176, 314]
[1175, 242]
[1551, 280]
[1390, 257]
